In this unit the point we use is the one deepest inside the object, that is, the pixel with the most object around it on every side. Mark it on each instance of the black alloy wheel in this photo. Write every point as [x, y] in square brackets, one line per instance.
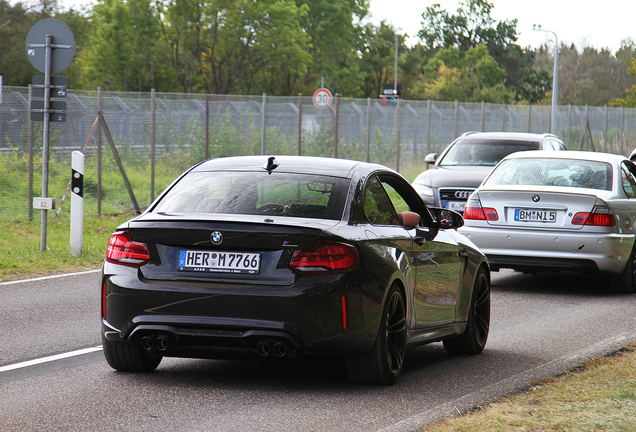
[396, 332]
[474, 338]
[384, 363]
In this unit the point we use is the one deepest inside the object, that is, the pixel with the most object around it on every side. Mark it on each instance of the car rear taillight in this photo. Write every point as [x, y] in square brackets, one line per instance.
[123, 250]
[325, 257]
[600, 216]
[474, 210]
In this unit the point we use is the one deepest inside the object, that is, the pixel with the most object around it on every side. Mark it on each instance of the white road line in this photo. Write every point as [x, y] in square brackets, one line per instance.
[49, 277]
[34, 362]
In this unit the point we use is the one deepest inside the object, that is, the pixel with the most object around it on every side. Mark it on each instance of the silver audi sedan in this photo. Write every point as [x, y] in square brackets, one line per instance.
[552, 211]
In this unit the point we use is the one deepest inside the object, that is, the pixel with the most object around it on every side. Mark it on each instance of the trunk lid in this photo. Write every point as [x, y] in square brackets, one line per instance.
[541, 208]
[220, 249]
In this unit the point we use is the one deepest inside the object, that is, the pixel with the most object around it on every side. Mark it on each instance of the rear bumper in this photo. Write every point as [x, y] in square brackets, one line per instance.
[540, 264]
[204, 321]
[535, 250]
[212, 342]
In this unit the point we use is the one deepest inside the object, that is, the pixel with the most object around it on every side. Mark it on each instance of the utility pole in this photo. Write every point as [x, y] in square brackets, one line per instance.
[555, 78]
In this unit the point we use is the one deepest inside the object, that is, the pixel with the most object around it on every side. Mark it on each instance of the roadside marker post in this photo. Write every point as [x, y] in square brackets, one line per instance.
[77, 203]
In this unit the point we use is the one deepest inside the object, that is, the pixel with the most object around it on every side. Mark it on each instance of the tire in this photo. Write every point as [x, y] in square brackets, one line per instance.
[384, 363]
[473, 340]
[128, 357]
[626, 281]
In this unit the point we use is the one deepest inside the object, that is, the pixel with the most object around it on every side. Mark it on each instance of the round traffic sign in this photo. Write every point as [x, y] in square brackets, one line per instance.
[61, 56]
[322, 98]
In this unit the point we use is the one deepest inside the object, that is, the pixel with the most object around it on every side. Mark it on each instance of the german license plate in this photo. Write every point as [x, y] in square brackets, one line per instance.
[459, 206]
[534, 215]
[219, 262]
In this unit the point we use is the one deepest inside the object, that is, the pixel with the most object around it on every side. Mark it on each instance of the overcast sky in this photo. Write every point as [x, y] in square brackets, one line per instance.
[597, 23]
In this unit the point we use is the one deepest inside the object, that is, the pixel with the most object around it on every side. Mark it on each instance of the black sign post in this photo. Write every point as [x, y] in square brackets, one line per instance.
[50, 47]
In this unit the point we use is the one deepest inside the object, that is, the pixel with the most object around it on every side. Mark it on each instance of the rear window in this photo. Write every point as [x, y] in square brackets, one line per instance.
[553, 172]
[483, 152]
[257, 193]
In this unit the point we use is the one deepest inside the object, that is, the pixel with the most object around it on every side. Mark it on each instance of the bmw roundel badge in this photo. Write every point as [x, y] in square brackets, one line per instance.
[536, 198]
[216, 237]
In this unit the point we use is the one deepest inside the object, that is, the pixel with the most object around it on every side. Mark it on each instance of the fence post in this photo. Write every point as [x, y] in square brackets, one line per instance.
[428, 126]
[207, 126]
[335, 130]
[368, 138]
[30, 144]
[503, 117]
[483, 117]
[569, 124]
[605, 128]
[300, 123]
[397, 134]
[263, 126]
[622, 128]
[99, 152]
[456, 114]
[152, 145]
[530, 118]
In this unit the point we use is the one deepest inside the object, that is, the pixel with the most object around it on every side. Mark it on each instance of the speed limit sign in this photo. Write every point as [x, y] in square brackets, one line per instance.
[322, 98]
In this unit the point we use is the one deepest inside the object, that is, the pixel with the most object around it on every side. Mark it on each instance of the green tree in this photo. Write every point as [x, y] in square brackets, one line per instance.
[474, 77]
[124, 51]
[15, 22]
[108, 59]
[378, 58]
[589, 76]
[336, 36]
[255, 47]
[472, 26]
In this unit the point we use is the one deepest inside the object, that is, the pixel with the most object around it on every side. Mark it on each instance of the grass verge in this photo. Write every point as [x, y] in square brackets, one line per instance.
[598, 396]
[20, 255]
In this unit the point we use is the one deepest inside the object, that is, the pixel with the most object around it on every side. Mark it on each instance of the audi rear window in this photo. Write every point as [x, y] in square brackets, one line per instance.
[257, 193]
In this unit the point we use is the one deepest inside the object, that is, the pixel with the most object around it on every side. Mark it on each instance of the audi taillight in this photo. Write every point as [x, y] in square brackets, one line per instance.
[325, 257]
[123, 250]
[475, 211]
[600, 216]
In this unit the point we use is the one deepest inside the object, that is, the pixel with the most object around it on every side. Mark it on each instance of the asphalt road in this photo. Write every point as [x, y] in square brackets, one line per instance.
[541, 325]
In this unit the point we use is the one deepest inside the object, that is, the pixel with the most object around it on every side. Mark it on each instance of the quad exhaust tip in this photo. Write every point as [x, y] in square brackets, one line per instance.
[160, 342]
[276, 348]
[265, 348]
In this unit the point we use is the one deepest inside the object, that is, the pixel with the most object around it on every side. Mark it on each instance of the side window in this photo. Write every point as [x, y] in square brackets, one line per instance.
[628, 180]
[396, 199]
[377, 206]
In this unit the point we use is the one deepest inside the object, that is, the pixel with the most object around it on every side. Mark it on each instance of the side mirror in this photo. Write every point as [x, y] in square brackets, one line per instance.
[409, 220]
[431, 158]
[445, 219]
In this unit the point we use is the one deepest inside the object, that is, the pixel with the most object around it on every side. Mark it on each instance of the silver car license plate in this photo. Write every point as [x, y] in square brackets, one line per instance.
[534, 215]
[220, 262]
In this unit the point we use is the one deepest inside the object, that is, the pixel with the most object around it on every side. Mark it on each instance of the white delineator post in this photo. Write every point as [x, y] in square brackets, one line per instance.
[77, 203]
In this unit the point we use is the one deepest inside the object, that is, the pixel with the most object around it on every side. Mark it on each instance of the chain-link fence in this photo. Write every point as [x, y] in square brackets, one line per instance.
[158, 135]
